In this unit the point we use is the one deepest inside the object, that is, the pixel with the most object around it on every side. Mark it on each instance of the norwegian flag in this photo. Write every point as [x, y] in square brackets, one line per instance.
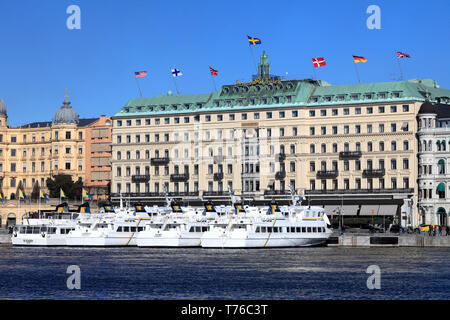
[318, 62]
[402, 55]
[214, 72]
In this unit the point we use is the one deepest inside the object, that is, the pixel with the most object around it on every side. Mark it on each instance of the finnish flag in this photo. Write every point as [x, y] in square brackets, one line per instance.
[176, 73]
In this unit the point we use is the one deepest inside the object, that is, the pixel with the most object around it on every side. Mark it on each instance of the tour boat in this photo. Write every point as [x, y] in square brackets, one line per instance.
[288, 226]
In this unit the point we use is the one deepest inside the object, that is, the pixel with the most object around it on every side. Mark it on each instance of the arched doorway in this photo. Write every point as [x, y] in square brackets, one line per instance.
[12, 196]
[442, 217]
[11, 220]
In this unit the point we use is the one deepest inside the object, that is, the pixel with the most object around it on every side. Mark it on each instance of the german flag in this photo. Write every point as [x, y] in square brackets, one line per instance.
[357, 59]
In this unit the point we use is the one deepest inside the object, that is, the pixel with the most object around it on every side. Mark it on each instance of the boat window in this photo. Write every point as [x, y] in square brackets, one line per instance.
[62, 231]
[298, 229]
[36, 230]
[275, 229]
[133, 229]
[257, 230]
[288, 229]
[119, 229]
[140, 229]
[269, 229]
[23, 229]
[303, 229]
[43, 229]
[192, 229]
[309, 229]
[263, 229]
[126, 229]
[204, 229]
[198, 229]
[314, 229]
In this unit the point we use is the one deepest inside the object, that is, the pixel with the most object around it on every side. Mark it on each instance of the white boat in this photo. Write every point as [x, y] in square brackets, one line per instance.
[181, 228]
[289, 226]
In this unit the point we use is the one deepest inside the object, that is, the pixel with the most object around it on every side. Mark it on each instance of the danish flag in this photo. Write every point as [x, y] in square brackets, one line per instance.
[318, 62]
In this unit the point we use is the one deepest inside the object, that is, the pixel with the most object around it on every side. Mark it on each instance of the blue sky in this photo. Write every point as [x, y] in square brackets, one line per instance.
[40, 57]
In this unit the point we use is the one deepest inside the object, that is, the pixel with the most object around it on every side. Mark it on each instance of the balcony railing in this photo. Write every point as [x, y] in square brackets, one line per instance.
[280, 157]
[181, 177]
[140, 178]
[159, 161]
[275, 192]
[349, 155]
[215, 194]
[280, 175]
[359, 191]
[218, 176]
[373, 173]
[331, 174]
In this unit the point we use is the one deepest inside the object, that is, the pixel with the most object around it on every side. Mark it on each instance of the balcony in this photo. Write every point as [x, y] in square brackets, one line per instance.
[275, 192]
[373, 173]
[140, 178]
[349, 155]
[280, 157]
[280, 175]
[327, 174]
[359, 191]
[218, 176]
[218, 159]
[159, 161]
[180, 177]
[215, 194]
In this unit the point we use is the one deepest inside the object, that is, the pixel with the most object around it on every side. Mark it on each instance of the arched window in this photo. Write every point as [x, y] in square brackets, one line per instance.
[443, 145]
[440, 190]
[438, 143]
[441, 166]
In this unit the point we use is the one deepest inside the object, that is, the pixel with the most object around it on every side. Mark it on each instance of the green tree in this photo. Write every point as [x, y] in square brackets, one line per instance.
[71, 189]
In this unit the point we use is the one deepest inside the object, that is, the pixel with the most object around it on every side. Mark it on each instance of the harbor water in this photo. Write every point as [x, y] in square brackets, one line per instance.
[196, 273]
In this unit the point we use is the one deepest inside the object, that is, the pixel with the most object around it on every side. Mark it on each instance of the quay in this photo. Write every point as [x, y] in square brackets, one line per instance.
[392, 240]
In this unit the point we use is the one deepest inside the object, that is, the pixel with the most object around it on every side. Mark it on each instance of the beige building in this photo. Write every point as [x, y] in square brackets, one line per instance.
[31, 153]
[351, 144]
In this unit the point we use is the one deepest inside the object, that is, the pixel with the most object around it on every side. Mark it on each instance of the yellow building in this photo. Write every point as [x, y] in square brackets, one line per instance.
[31, 153]
[336, 144]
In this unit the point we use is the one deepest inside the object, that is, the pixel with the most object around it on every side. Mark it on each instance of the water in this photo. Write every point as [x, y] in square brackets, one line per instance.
[296, 273]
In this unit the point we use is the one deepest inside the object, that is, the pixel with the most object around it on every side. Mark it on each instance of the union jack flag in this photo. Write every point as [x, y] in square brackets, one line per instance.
[402, 55]
[214, 72]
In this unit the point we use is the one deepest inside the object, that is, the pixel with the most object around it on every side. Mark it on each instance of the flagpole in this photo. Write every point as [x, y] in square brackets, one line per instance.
[315, 75]
[176, 88]
[139, 87]
[253, 58]
[357, 74]
[401, 72]
[214, 83]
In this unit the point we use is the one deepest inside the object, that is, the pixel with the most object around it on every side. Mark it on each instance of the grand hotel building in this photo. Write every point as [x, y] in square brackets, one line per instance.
[336, 144]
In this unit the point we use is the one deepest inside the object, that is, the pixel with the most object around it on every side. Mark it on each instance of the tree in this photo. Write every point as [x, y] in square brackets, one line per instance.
[71, 189]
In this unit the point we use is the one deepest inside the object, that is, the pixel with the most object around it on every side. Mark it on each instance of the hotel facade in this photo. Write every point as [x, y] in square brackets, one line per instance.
[351, 145]
[34, 152]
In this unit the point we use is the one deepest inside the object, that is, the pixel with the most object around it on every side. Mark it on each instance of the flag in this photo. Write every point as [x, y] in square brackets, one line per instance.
[318, 62]
[214, 72]
[43, 196]
[252, 41]
[357, 59]
[22, 195]
[176, 73]
[1, 198]
[140, 74]
[402, 55]
[62, 193]
[87, 195]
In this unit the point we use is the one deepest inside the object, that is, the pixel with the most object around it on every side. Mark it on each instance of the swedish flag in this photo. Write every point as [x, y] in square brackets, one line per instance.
[43, 196]
[253, 41]
[22, 195]
[87, 194]
[1, 198]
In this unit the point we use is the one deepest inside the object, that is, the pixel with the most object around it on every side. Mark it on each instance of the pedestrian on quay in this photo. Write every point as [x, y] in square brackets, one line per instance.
[430, 230]
[447, 229]
[440, 230]
[434, 231]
